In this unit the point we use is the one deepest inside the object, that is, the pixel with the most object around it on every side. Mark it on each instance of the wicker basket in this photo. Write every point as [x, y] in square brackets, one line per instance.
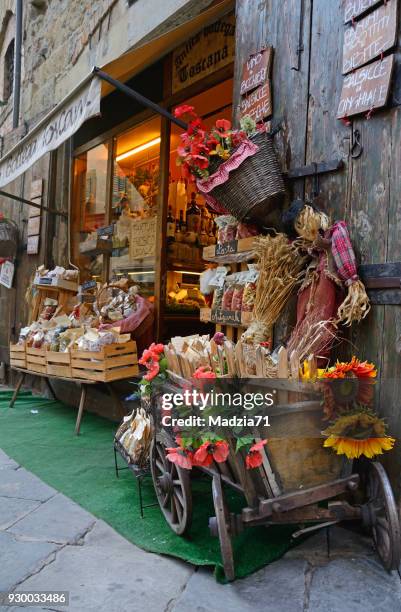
[256, 187]
[8, 238]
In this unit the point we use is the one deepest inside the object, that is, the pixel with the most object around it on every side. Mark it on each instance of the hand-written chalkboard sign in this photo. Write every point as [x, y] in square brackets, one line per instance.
[256, 70]
[369, 37]
[226, 248]
[366, 89]
[258, 104]
[226, 317]
[354, 8]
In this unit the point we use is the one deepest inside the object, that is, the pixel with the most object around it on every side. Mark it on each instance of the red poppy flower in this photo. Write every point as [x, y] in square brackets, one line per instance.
[211, 451]
[147, 357]
[238, 137]
[196, 127]
[200, 161]
[254, 457]
[153, 371]
[183, 110]
[156, 348]
[223, 125]
[180, 456]
[212, 142]
[204, 372]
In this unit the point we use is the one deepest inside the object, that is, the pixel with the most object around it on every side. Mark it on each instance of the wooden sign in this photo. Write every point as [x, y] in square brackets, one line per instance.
[354, 8]
[143, 238]
[207, 51]
[367, 88]
[32, 245]
[371, 36]
[256, 70]
[258, 104]
[33, 226]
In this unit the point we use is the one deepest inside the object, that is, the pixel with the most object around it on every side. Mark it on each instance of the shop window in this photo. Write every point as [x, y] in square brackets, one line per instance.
[8, 71]
[190, 223]
[134, 204]
[90, 210]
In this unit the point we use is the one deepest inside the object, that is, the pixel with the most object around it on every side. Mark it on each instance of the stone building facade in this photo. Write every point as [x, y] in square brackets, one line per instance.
[62, 41]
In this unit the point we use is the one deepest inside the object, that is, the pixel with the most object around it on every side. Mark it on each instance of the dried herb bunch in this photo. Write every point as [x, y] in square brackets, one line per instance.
[281, 267]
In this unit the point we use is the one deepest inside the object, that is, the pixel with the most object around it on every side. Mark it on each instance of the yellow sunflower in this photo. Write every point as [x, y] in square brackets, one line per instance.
[359, 433]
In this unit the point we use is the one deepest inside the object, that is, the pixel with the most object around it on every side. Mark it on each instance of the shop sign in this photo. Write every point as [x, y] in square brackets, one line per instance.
[258, 104]
[7, 274]
[63, 123]
[143, 238]
[369, 37]
[367, 88]
[226, 248]
[207, 51]
[354, 8]
[90, 284]
[256, 70]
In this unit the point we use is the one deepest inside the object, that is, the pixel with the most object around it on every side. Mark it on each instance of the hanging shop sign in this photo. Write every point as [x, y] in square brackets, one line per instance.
[368, 38]
[52, 131]
[354, 8]
[7, 274]
[207, 51]
[143, 238]
[367, 88]
[256, 70]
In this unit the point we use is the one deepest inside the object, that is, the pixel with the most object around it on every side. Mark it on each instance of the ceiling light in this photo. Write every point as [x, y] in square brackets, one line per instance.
[143, 147]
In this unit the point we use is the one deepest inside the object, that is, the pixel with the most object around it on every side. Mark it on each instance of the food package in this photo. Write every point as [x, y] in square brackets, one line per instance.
[135, 436]
[249, 294]
[245, 230]
[228, 293]
[227, 228]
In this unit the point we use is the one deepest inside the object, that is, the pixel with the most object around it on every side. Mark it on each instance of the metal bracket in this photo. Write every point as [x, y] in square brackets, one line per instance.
[11, 196]
[315, 168]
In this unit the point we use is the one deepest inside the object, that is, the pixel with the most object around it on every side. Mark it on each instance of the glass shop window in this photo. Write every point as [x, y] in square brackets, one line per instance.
[134, 204]
[90, 211]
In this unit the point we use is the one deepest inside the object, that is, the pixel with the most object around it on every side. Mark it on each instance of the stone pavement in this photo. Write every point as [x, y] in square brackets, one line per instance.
[47, 542]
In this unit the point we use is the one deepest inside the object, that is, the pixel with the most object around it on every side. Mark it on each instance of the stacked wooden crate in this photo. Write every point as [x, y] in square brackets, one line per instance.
[113, 362]
[58, 364]
[18, 355]
[36, 359]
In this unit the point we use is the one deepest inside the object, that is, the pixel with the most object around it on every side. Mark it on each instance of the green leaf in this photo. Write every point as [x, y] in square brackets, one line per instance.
[244, 441]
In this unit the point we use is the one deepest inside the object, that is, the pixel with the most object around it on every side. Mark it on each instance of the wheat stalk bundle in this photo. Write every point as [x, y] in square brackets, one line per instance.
[281, 267]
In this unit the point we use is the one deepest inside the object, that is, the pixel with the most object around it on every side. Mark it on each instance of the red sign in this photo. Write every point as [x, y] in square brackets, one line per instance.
[256, 70]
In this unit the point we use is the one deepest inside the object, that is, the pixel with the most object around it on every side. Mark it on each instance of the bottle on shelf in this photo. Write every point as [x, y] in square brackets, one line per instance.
[170, 226]
[193, 215]
[183, 223]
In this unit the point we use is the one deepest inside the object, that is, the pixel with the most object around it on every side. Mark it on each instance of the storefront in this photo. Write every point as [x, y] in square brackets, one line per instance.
[127, 185]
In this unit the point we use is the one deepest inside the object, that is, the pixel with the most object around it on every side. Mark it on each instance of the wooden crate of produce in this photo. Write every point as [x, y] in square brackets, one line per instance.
[36, 359]
[18, 355]
[113, 362]
[58, 364]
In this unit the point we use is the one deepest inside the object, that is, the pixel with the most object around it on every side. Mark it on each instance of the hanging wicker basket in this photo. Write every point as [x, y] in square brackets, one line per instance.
[8, 238]
[252, 190]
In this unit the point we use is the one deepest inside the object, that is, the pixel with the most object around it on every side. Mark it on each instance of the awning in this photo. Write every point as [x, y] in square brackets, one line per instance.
[83, 102]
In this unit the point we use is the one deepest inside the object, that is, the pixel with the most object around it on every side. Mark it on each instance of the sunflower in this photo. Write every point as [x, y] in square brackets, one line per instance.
[358, 433]
[355, 367]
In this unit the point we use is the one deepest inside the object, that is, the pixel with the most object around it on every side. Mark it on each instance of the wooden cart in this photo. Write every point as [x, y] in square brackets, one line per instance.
[296, 477]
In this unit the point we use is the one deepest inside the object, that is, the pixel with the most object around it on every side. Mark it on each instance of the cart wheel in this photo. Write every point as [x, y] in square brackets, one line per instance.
[222, 519]
[172, 485]
[380, 514]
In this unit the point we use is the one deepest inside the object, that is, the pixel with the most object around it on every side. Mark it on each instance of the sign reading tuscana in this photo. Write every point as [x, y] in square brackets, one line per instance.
[63, 123]
[207, 51]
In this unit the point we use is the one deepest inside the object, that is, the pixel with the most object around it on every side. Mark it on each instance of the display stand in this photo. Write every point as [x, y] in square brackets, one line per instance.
[82, 383]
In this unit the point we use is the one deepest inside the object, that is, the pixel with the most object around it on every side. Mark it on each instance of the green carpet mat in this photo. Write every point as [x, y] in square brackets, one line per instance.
[82, 467]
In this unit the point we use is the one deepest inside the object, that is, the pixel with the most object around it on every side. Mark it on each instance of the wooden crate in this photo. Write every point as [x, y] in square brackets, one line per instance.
[18, 355]
[36, 359]
[58, 364]
[113, 362]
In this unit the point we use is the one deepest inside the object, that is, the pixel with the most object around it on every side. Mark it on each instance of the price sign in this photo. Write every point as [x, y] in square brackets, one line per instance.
[256, 70]
[367, 88]
[258, 104]
[371, 36]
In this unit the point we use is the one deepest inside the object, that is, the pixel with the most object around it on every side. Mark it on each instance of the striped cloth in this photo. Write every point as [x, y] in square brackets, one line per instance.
[343, 252]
